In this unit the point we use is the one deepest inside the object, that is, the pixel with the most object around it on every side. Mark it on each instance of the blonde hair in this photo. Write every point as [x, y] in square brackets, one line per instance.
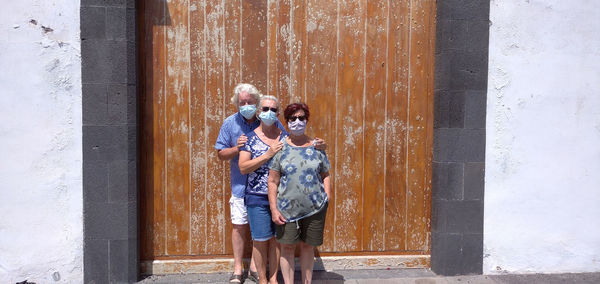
[244, 87]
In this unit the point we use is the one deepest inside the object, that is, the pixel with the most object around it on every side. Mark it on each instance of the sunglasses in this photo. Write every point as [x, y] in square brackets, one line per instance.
[273, 109]
[293, 118]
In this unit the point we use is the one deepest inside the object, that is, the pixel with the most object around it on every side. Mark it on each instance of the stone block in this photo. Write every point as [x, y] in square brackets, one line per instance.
[116, 23]
[456, 109]
[463, 216]
[474, 181]
[441, 108]
[118, 181]
[472, 254]
[475, 109]
[93, 22]
[451, 34]
[117, 104]
[445, 253]
[95, 261]
[110, 221]
[94, 104]
[95, 181]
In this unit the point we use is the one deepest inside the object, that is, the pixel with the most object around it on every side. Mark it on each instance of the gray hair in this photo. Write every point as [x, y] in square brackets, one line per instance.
[268, 97]
[244, 87]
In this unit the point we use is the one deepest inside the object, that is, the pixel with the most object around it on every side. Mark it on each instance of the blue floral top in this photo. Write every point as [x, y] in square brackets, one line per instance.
[301, 192]
[256, 185]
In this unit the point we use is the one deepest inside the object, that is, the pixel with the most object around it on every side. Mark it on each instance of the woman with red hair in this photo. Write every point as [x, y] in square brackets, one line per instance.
[298, 192]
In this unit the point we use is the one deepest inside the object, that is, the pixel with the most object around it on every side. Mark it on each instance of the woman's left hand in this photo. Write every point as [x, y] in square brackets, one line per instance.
[320, 144]
[277, 217]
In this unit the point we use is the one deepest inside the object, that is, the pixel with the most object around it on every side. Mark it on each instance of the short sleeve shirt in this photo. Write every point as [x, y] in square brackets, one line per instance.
[233, 127]
[301, 192]
[256, 185]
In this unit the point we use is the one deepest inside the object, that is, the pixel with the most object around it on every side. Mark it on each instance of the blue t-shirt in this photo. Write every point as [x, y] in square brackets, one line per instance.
[233, 127]
[256, 186]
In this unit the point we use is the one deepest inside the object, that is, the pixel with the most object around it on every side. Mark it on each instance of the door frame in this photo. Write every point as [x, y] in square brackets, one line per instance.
[111, 47]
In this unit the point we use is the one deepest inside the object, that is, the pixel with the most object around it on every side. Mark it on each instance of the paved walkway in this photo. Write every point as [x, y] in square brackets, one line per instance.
[401, 276]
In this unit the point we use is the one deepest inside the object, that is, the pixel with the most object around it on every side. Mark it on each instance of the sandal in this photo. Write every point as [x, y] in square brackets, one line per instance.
[235, 278]
[252, 276]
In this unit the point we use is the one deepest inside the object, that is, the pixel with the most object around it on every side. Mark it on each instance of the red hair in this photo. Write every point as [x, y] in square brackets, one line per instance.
[293, 108]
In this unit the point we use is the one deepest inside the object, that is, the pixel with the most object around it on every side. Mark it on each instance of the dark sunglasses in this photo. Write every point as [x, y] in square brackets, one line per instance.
[273, 109]
[293, 118]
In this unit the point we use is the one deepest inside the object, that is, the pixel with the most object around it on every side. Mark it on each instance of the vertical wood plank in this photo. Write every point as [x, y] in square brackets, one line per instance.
[200, 144]
[430, 57]
[395, 132]
[254, 43]
[417, 132]
[283, 52]
[177, 136]
[148, 19]
[155, 90]
[321, 89]
[298, 50]
[374, 132]
[272, 74]
[214, 98]
[232, 76]
[349, 145]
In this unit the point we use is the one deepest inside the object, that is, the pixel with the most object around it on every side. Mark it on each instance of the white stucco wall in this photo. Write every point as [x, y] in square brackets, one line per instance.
[542, 183]
[41, 232]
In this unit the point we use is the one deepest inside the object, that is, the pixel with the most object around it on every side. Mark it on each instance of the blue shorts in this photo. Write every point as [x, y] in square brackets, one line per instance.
[262, 227]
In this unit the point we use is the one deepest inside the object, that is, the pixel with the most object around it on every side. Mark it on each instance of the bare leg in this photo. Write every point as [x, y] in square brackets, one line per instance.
[252, 264]
[273, 260]
[287, 262]
[238, 236]
[307, 262]
[259, 255]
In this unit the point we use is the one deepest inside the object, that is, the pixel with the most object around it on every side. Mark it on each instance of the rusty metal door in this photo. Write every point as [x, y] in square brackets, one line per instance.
[365, 68]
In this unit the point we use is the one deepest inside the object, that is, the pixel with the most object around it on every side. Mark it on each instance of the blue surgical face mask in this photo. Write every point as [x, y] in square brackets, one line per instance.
[248, 111]
[268, 117]
[297, 127]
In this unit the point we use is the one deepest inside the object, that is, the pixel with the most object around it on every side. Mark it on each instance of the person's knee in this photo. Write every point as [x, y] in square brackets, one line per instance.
[260, 244]
[240, 228]
[305, 246]
[286, 248]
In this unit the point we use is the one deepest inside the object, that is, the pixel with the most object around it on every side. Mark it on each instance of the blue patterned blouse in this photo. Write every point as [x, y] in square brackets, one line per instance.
[256, 185]
[301, 192]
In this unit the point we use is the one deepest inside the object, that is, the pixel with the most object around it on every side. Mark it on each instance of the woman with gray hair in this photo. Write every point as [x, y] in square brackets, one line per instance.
[262, 144]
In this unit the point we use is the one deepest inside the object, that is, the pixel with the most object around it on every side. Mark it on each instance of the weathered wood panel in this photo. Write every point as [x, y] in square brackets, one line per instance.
[215, 99]
[177, 129]
[417, 202]
[199, 177]
[321, 90]
[376, 28]
[396, 146]
[364, 67]
[349, 135]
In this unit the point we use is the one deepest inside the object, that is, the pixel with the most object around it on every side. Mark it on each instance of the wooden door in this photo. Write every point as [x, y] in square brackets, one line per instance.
[365, 68]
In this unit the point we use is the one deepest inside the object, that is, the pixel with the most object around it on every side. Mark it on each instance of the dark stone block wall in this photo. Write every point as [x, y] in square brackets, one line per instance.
[109, 78]
[459, 136]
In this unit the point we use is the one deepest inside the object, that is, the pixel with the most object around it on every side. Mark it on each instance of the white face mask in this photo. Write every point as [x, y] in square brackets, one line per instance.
[297, 127]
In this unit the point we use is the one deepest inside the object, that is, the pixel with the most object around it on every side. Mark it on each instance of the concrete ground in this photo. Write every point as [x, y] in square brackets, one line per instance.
[402, 276]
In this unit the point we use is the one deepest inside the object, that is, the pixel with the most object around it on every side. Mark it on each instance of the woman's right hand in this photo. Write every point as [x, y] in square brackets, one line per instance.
[277, 217]
[274, 148]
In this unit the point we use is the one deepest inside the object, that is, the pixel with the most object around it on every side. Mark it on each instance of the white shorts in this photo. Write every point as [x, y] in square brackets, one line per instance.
[239, 215]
